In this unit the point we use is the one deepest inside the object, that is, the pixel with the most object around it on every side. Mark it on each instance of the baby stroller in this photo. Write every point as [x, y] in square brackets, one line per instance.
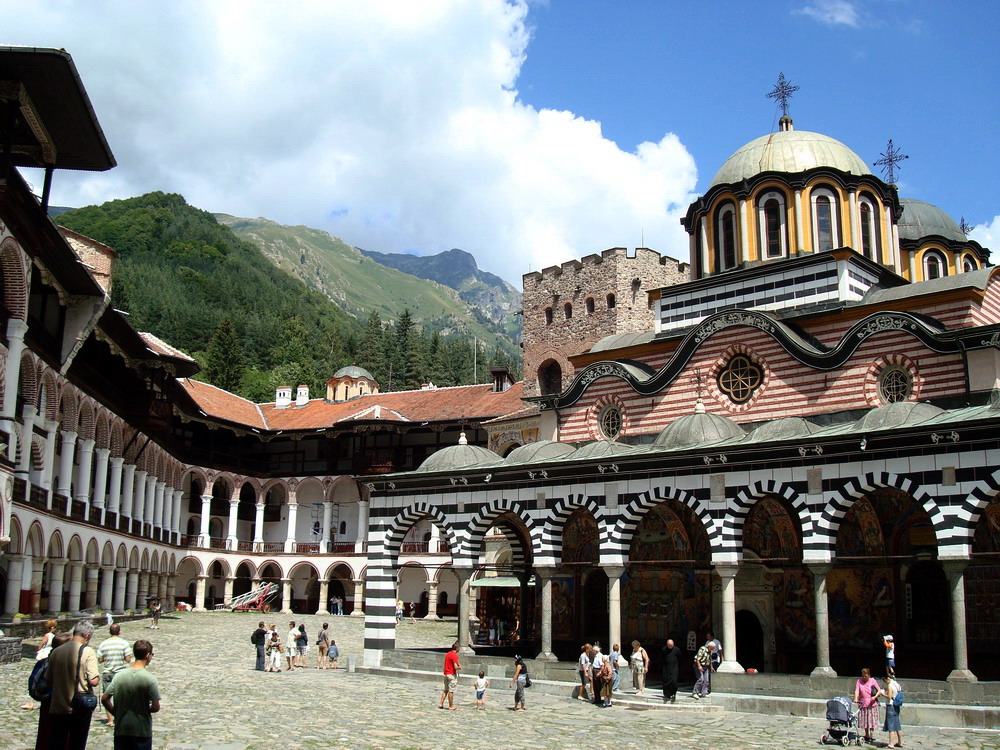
[843, 728]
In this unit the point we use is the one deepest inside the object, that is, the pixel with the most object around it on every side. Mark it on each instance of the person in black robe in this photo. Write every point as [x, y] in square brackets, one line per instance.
[671, 664]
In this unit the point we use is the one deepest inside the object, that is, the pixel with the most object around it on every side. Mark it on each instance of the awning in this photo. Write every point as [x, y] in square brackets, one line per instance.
[506, 582]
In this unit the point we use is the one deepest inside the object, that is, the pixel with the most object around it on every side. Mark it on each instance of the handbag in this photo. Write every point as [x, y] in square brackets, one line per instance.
[527, 681]
[82, 701]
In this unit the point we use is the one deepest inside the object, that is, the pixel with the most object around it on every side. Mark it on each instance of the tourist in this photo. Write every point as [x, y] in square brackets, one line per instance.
[340, 604]
[44, 725]
[322, 646]
[72, 669]
[44, 649]
[481, 684]
[291, 646]
[413, 613]
[606, 674]
[154, 612]
[703, 666]
[491, 627]
[584, 669]
[399, 611]
[597, 662]
[333, 654]
[113, 654]
[615, 657]
[892, 725]
[132, 698]
[259, 639]
[716, 656]
[671, 669]
[639, 662]
[451, 670]
[302, 645]
[274, 651]
[519, 682]
[890, 654]
[866, 692]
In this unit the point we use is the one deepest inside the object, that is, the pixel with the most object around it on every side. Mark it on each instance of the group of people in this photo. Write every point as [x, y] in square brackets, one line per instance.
[452, 667]
[867, 692]
[295, 646]
[599, 671]
[71, 670]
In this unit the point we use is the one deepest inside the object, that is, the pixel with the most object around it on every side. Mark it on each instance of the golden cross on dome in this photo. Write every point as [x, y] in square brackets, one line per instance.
[891, 158]
[782, 92]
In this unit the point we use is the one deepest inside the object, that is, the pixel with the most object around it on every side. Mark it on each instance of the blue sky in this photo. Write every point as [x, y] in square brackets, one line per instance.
[528, 133]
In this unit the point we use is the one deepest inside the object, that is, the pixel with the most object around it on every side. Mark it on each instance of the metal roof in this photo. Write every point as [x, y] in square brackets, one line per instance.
[920, 219]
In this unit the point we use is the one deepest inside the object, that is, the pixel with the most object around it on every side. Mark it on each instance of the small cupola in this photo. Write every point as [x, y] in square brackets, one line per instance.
[502, 379]
[302, 395]
[282, 397]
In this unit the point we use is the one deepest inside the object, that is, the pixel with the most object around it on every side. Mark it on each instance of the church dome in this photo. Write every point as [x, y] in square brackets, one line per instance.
[353, 371]
[540, 450]
[697, 429]
[921, 219]
[898, 414]
[459, 456]
[789, 151]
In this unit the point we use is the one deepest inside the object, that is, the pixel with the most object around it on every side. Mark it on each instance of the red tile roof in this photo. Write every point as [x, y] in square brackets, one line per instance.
[469, 402]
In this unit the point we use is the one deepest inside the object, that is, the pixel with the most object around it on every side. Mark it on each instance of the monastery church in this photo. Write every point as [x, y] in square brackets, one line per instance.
[790, 439]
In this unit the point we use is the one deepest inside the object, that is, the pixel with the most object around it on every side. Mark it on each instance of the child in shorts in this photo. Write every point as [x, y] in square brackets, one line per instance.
[890, 655]
[481, 684]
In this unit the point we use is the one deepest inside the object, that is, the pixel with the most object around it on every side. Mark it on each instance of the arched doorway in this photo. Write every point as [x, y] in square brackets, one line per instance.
[242, 584]
[749, 640]
[594, 614]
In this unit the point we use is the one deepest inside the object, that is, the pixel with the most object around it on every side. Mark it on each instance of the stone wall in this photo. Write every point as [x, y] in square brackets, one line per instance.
[581, 284]
[10, 650]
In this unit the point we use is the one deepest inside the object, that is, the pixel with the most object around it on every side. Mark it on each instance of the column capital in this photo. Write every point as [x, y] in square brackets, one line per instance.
[51, 425]
[117, 460]
[86, 444]
[68, 435]
[727, 569]
[234, 501]
[819, 568]
[545, 571]
[613, 571]
[955, 567]
[206, 499]
[102, 452]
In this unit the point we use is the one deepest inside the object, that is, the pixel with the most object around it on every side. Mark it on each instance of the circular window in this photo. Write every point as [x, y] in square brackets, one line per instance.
[740, 378]
[609, 422]
[894, 384]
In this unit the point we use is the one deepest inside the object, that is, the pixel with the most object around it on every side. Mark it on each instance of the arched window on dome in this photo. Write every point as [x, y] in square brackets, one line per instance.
[869, 222]
[725, 237]
[935, 265]
[772, 226]
[969, 263]
[825, 225]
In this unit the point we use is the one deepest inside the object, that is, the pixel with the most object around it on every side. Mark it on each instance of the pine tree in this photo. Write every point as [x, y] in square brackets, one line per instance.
[224, 367]
[371, 350]
[404, 354]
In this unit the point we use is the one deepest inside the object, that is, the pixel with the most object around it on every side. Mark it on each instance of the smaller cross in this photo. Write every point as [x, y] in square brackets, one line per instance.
[891, 157]
[782, 92]
[965, 226]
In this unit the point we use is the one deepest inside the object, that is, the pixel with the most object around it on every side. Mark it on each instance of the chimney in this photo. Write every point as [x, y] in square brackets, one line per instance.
[301, 395]
[282, 396]
[501, 379]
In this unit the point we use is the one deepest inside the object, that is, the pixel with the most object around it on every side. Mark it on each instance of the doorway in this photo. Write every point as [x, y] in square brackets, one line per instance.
[749, 640]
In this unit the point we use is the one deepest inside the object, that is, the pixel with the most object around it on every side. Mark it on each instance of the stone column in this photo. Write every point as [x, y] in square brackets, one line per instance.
[324, 596]
[175, 522]
[199, 595]
[160, 488]
[75, 585]
[115, 484]
[258, 528]
[545, 579]
[728, 575]
[49, 460]
[148, 516]
[464, 578]
[615, 573]
[432, 601]
[131, 589]
[206, 513]
[85, 452]
[16, 328]
[227, 595]
[324, 540]
[168, 591]
[128, 491]
[107, 587]
[37, 569]
[823, 667]
[143, 591]
[64, 484]
[360, 541]
[293, 510]
[15, 571]
[359, 597]
[28, 415]
[234, 507]
[139, 499]
[121, 581]
[57, 570]
[434, 546]
[286, 596]
[100, 491]
[955, 569]
[90, 600]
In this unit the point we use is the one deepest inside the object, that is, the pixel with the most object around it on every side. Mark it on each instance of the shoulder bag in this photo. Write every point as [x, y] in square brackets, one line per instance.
[82, 702]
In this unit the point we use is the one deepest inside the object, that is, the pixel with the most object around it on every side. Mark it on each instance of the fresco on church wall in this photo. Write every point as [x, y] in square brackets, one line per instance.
[669, 531]
[580, 543]
[661, 604]
[861, 605]
[794, 618]
[982, 584]
[770, 532]
[563, 605]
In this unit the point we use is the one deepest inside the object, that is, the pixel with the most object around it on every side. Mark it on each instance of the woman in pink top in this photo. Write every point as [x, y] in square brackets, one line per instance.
[865, 695]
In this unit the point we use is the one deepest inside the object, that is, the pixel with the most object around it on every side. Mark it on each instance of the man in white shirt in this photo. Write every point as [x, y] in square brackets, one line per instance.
[596, 663]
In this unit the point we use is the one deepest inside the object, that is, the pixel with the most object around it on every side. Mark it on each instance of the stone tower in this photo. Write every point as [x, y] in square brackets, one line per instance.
[568, 308]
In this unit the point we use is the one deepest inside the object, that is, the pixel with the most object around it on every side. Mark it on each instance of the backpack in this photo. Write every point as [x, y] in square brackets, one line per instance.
[38, 683]
[255, 638]
[898, 699]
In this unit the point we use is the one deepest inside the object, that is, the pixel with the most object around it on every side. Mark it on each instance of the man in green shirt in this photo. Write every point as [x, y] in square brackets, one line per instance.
[132, 698]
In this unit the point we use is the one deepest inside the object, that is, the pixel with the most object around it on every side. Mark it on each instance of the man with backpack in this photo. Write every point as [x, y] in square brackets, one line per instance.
[72, 672]
[258, 639]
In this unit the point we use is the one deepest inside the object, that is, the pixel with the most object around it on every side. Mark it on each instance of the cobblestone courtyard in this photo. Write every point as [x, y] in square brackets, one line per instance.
[212, 698]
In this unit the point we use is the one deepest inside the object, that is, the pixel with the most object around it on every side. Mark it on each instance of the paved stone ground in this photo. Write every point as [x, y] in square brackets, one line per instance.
[212, 698]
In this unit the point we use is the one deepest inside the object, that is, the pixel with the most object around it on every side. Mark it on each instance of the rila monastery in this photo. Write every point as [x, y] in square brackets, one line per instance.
[791, 439]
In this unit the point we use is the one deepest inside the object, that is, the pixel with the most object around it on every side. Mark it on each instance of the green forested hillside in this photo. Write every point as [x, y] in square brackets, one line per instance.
[252, 326]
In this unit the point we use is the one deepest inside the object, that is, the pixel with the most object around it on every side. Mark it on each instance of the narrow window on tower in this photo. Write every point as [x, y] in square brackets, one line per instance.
[868, 218]
[935, 265]
[771, 220]
[825, 235]
[725, 239]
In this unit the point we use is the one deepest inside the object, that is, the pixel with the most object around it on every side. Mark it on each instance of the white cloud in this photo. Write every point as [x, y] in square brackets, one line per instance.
[988, 235]
[832, 13]
[395, 125]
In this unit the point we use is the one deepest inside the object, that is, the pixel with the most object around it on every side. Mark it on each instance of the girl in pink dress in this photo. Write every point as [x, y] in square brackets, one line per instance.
[866, 692]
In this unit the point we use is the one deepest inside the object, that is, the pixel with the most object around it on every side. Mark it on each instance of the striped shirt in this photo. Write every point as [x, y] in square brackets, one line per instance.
[112, 654]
